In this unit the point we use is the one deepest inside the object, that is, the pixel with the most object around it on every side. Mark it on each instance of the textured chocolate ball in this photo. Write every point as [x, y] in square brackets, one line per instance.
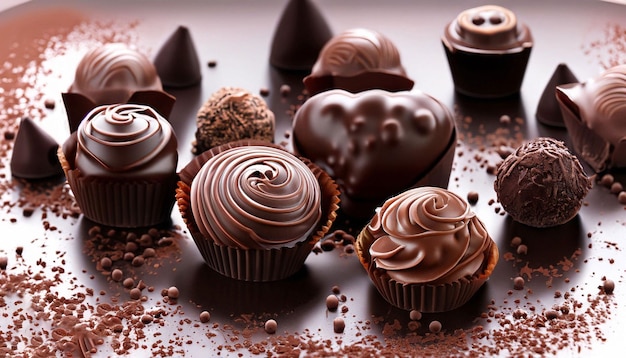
[542, 184]
[232, 114]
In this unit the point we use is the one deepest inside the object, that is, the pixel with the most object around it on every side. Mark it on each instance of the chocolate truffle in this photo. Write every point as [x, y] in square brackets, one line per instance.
[232, 114]
[177, 62]
[376, 143]
[254, 209]
[34, 153]
[121, 165]
[548, 110]
[299, 36]
[357, 60]
[594, 113]
[425, 250]
[487, 51]
[111, 73]
[542, 184]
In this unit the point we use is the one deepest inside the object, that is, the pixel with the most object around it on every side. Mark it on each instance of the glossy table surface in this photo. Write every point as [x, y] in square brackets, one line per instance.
[564, 266]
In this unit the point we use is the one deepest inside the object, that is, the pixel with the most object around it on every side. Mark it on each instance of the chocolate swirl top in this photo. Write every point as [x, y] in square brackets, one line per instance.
[358, 50]
[112, 73]
[594, 113]
[125, 139]
[255, 197]
[428, 235]
[487, 29]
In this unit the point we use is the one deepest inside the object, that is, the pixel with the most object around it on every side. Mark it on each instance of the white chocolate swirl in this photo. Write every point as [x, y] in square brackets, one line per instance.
[428, 235]
[125, 139]
[255, 197]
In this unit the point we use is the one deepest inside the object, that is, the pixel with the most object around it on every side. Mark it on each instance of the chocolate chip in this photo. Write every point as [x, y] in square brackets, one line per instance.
[472, 197]
[271, 326]
[332, 302]
[173, 292]
[608, 286]
[518, 283]
[339, 325]
[435, 326]
[205, 316]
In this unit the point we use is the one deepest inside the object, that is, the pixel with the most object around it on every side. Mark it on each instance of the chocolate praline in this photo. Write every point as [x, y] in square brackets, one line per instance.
[357, 60]
[594, 113]
[542, 184]
[231, 114]
[376, 143]
[487, 51]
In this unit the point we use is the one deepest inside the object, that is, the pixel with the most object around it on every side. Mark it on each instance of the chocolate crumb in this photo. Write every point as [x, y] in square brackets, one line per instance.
[617, 187]
[505, 119]
[516, 241]
[271, 326]
[607, 180]
[19, 250]
[621, 197]
[608, 286]
[285, 90]
[135, 293]
[332, 302]
[522, 249]
[117, 275]
[339, 325]
[435, 326]
[4, 262]
[205, 316]
[415, 315]
[264, 91]
[212, 63]
[518, 283]
[173, 292]
[49, 103]
[472, 197]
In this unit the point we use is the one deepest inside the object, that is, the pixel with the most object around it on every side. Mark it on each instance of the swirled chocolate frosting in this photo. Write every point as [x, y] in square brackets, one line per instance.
[487, 29]
[542, 184]
[428, 235]
[125, 140]
[255, 197]
[111, 73]
[594, 113]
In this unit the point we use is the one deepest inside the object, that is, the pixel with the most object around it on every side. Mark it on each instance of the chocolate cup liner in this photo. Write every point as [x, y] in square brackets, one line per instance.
[426, 298]
[485, 75]
[437, 175]
[259, 265]
[121, 203]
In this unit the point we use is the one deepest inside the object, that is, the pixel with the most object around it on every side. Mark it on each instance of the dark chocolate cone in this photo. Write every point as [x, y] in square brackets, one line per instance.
[548, 110]
[34, 153]
[177, 61]
[301, 33]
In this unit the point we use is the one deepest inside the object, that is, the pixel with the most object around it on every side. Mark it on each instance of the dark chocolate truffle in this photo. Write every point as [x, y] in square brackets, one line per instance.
[376, 143]
[177, 62]
[358, 60]
[34, 153]
[542, 184]
[548, 111]
[487, 51]
[300, 34]
[594, 113]
[232, 114]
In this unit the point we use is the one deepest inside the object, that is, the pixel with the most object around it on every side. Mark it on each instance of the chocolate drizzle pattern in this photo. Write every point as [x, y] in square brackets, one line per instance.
[256, 197]
[610, 105]
[428, 235]
[111, 73]
[358, 50]
[125, 138]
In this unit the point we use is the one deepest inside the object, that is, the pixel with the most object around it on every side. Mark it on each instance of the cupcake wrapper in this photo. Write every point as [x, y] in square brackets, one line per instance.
[252, 264]
[119, 203]
[427, 298]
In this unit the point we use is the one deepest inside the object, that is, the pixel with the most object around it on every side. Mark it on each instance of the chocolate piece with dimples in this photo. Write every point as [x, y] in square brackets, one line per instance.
[376, 143]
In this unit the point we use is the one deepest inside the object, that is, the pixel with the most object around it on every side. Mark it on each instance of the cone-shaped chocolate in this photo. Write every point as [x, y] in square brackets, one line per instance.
[34, 153]
[177, 61]
[548, 110]
[301, 33]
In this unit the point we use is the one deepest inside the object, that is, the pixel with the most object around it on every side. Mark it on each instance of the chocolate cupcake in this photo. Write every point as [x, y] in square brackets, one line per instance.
[542, 184]
[357, 60]
[487, 51]
[593, 113]
[255, 210]
[121, 165]
[232, 114]
[376, 144]
[425, 250]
